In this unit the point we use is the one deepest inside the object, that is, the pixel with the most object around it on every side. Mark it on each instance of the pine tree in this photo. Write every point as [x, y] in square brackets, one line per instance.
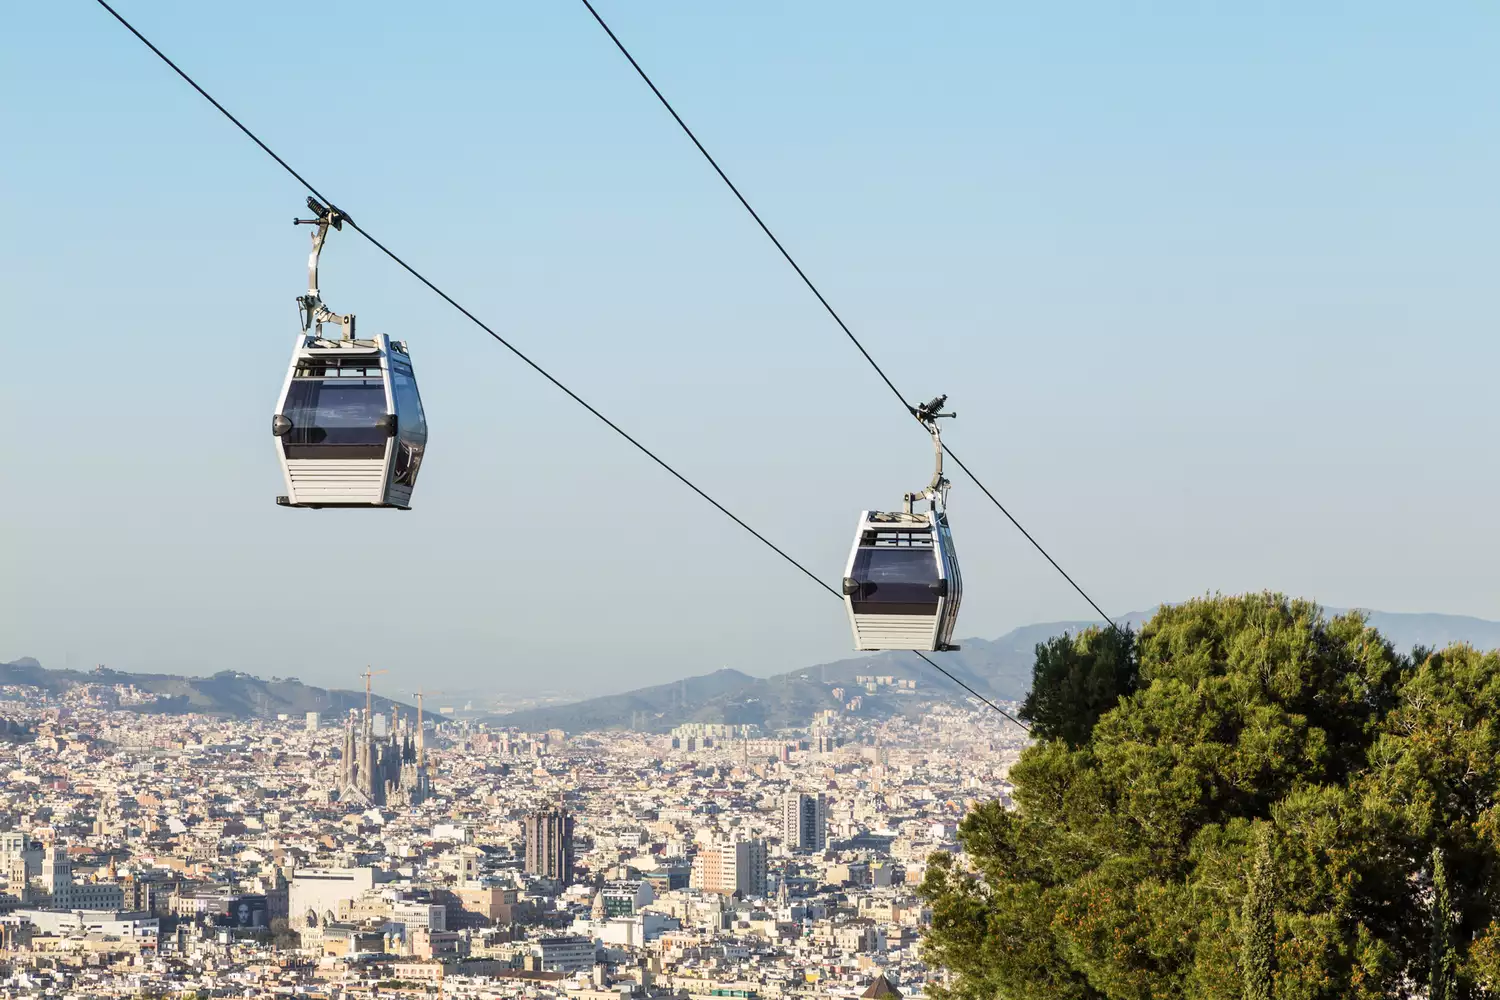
[1444, 961]
[1259, 949]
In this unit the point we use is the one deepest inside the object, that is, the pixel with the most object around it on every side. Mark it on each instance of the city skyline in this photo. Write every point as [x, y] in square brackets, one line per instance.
[216, 849]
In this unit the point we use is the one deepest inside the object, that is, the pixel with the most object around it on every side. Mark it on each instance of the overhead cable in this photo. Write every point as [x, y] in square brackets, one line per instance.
[829, 307]
[348, 220]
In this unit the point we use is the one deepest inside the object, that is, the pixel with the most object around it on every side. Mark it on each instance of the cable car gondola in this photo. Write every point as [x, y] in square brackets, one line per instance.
[349, 426]
[902, 586]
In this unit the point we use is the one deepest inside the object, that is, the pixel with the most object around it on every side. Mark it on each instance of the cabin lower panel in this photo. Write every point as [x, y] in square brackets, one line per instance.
[311, 481]
[874, 632]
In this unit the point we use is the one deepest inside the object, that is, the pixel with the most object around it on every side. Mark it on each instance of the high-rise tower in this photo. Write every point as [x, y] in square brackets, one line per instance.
[549, 844]
[804, 822]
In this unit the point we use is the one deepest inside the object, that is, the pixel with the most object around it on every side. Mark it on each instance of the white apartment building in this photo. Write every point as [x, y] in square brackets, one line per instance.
[89, 896]
[432, 916]
[569, 953]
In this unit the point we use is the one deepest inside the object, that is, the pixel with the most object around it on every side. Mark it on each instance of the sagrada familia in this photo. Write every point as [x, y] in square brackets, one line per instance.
[386, 770]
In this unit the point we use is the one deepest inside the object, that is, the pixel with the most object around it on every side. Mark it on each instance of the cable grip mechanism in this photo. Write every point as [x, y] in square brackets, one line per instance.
[310, 306]
[936, 492]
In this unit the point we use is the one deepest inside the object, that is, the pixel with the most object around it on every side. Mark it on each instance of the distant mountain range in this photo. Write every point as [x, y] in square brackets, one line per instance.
[1000, 669]
[227, 693]
[1431, 630]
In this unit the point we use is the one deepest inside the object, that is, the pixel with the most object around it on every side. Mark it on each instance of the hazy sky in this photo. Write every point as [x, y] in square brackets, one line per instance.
[1212, 287]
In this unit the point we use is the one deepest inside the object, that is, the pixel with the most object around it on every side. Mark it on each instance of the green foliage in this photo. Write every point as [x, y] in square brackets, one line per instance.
[1258, 956]
[1484, 961]
[1444, 959]
[1077, 679]
[1263, 745]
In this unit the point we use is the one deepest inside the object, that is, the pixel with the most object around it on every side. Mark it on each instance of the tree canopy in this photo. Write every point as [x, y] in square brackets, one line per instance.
[1244, 785]
[1077, 679]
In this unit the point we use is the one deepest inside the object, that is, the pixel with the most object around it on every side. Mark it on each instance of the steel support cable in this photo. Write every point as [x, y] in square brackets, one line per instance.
[513, 349]
[828, 307]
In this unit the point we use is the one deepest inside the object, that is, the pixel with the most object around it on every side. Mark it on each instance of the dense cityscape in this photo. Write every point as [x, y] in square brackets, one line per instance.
[414, 852]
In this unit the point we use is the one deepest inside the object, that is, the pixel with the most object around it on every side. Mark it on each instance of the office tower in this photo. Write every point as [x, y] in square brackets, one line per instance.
[312, 722]
[804, 822]
[729, 868]
[549, 844]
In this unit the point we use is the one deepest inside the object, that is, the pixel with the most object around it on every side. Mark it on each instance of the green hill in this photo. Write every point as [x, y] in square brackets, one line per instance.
[1000, 669]
[228, 693]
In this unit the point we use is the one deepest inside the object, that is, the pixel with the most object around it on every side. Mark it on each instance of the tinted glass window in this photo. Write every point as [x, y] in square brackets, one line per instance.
[342, 416]
[413, 421]
[895, 576]
[411, 426]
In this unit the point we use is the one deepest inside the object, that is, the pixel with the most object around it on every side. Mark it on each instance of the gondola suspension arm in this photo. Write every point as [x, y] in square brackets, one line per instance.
[936, 493]
[311, 305]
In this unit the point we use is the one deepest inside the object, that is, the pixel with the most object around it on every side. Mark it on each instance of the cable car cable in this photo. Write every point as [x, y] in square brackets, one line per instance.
[829, 308]
[516, 351]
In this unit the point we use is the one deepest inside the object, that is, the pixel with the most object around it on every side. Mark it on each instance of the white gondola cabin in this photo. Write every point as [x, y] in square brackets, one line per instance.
[349, 430]
[349, 426]
[901, 585]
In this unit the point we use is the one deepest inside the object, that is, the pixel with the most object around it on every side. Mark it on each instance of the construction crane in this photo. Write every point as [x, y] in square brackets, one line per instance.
[367, 675]
[421, 741]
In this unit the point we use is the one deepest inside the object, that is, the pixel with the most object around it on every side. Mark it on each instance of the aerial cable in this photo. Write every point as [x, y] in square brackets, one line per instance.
[512, 348]
[829, 308]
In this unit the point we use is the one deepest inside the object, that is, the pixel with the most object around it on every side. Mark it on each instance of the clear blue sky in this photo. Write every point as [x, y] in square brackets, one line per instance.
[1211, 286]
